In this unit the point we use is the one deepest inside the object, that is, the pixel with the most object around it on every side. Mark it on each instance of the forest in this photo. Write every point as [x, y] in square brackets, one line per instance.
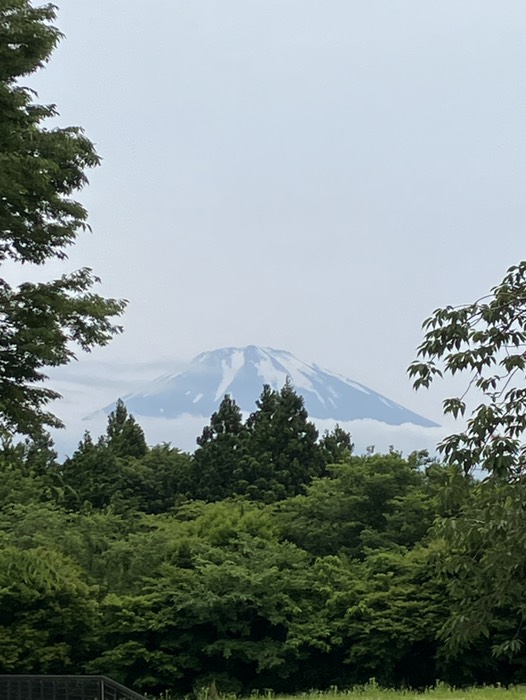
[271, 558]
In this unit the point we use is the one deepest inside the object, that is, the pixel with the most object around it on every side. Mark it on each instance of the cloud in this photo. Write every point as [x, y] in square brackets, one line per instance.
[405, 438]
[182, 432]
[89, 385]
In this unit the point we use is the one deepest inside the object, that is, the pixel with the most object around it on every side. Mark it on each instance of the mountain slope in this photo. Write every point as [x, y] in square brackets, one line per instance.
[241, 372]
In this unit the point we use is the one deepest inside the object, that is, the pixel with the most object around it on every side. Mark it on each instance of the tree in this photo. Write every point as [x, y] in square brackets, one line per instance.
[110, 470]
[271, 456]
[48, 612]
[218, 461]
[369, 503]
[486, 339]
[26, 473]
[247, 615]
[284, 444]
[40, 170]
[124, 436]
[337, 444]
[91, 475]
[166, 478]
[485, 538]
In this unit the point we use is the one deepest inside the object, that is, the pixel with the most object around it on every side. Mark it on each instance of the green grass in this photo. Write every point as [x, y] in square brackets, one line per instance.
[441, 692]
[371, 691]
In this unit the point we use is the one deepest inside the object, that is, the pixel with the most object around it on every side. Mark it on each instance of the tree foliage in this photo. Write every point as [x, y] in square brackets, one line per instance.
[270, 559]
[119, 470]
[48, 612]
[372, 502]
[327, 587]
[487, 340]
[485, 537]
[124, 436]
[274, 454]
[41, 169]
[284, 443]
[220, 458]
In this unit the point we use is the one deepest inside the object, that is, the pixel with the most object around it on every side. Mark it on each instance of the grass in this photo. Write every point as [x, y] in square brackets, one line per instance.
[372, 691]
[440, 692]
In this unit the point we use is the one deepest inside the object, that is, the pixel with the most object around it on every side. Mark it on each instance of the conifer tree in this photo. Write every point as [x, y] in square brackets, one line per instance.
[124, 436]
[100, 471]
[337, 445]
[284, 443]
[218, 461]
[91, 475]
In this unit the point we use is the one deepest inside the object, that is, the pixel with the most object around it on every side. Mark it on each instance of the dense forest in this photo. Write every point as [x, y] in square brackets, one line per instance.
[270, 558]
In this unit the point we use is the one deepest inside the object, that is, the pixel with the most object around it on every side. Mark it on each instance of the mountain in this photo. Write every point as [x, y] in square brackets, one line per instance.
[241, 372]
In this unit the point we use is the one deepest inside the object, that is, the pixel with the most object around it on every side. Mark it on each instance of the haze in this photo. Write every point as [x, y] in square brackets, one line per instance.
[314, 176]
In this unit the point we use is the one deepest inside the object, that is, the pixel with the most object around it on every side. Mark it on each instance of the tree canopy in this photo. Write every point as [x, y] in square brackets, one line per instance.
[121, 571]
[485, 339]
[274, 454]
[41, 169]
[485, 533]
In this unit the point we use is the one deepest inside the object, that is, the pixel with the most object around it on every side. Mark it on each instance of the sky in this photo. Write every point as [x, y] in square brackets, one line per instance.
[311, 175]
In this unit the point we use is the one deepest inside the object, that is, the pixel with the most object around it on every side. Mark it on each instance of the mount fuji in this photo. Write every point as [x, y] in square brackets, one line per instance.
[242, 372]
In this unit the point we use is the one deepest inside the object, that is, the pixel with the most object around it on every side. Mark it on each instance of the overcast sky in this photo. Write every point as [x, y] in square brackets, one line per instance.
[310, 175]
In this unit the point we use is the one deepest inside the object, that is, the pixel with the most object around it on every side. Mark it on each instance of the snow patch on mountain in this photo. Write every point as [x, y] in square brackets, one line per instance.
[231, 367]
[242, 372]
[357, 386]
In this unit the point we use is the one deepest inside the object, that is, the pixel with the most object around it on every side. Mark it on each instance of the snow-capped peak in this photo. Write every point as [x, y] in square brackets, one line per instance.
[242, 372]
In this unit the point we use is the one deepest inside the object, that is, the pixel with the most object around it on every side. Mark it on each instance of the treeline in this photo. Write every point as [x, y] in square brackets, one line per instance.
[271, 558]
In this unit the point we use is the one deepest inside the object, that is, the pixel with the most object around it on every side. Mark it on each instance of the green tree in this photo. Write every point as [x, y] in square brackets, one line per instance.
[91, 475]
[28, 472]
[246, 615]
[124, 436]
[218, 461]
[122, 471]
[40, 170]
[165, 478]
[485, 537]
[485, 339]
[48, 612]
[284, 445]
[387, 612]
[370, 503]
[337, 445]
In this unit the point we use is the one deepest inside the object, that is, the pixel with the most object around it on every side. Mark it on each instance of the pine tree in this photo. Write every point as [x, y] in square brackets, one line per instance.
[124, 436]
[284, 444]
[337, 445]
[218, 462]
[100, 472]
[91, 475]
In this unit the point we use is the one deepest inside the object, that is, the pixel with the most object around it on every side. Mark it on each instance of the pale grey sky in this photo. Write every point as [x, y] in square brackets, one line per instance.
[310, 175]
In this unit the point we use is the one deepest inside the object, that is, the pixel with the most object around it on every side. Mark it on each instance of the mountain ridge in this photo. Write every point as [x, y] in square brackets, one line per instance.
[242, 372]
